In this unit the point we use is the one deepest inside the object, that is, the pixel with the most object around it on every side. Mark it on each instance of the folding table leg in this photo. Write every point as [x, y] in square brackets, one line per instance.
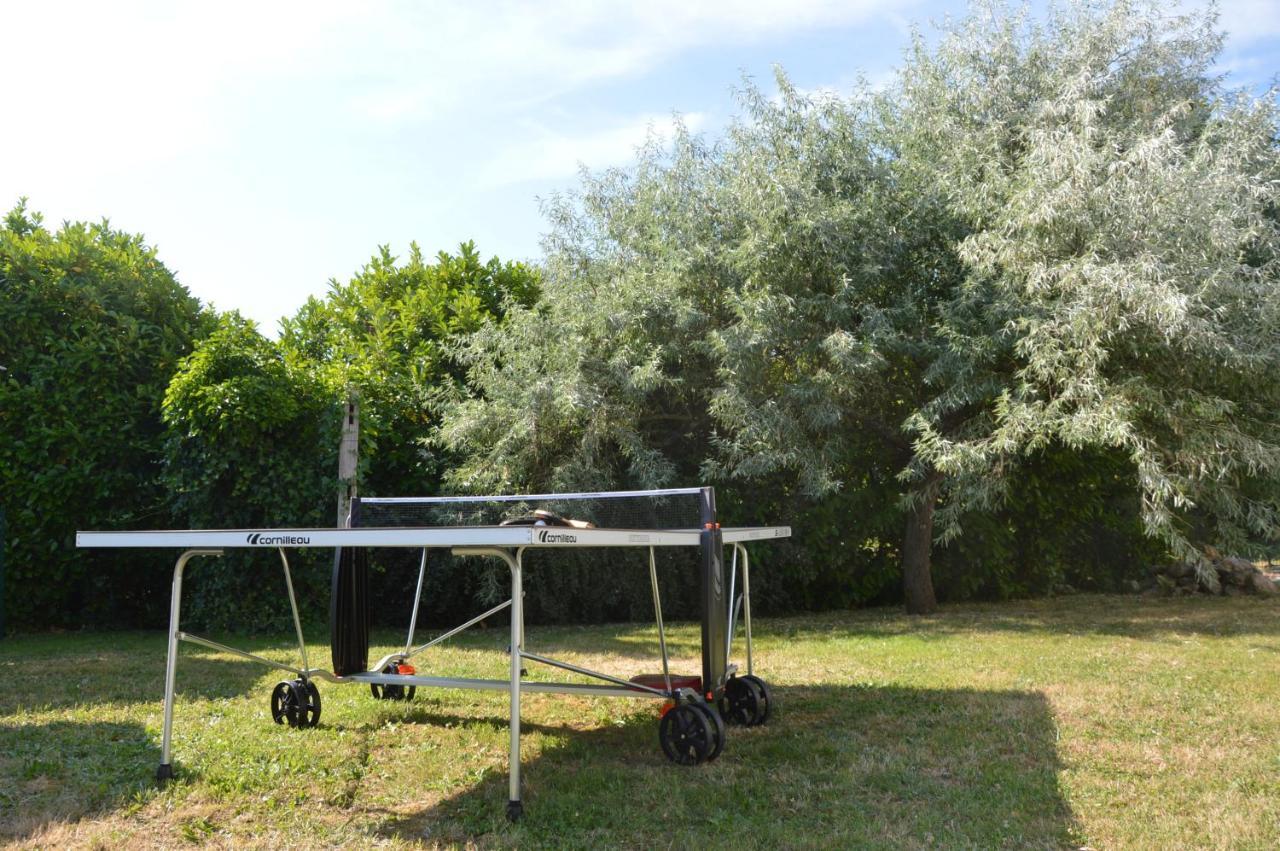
[417, 603]
[514, 560]
[165, 770]
[746, 601]
[657, 614]
[514, 806]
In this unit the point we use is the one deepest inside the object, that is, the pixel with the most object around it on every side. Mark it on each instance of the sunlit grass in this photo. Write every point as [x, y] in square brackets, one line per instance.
[1101, 721]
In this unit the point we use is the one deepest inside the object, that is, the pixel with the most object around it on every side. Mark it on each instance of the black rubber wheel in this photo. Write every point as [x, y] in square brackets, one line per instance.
[295, 702]
[763, 715]
[284, 704]
[743, 702]
[392, 692]
[309, 712]
[686, 734]
[717, 729]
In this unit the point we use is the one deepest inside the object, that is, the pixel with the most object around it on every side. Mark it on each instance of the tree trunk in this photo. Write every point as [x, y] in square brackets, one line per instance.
[917, 547]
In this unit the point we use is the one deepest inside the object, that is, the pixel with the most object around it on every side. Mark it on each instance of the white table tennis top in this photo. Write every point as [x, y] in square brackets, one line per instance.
[432, 536]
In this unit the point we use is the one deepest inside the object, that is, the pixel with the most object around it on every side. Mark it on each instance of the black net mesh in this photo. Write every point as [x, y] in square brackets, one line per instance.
[588, 585]
[671, 509]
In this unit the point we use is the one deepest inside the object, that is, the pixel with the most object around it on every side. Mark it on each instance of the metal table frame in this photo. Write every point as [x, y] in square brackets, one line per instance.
[503, 542]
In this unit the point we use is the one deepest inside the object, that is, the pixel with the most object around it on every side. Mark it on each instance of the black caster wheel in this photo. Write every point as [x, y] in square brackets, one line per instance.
[687, 734]
[744, 702]
[717, 729]
[284, 704]
[313, 704]
[392, 692]
[515, 810]
[296, 702]
[767, 705]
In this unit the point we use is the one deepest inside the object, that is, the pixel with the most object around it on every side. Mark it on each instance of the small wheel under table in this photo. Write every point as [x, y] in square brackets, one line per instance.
[393, 691]
[766, 699]
[296, 702]
[687, 734]
[745, 701]
[717, 728]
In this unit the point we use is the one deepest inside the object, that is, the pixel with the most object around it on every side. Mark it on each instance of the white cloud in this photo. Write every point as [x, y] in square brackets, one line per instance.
[1248, 21]
[546, 154]
[523, 53]
[266, 146]
[129, 85]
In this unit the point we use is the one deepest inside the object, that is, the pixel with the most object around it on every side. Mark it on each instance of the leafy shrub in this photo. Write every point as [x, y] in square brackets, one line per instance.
[254, 428]
[252, 441]
[1071, 521]
[92, 325]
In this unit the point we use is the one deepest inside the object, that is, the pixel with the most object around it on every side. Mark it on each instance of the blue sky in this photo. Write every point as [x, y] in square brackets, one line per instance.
[265, 148]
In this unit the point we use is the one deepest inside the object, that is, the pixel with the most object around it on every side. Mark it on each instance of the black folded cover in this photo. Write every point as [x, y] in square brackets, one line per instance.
[715, 612]
[349, 611]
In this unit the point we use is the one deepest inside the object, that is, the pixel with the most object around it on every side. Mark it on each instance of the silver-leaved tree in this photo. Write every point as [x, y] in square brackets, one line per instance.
[1059, 232]
[1119, 211]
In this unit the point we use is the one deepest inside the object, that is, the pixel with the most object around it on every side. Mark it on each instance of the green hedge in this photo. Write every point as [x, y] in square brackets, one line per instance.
[125, 406]
[252, 441]
[92, 326]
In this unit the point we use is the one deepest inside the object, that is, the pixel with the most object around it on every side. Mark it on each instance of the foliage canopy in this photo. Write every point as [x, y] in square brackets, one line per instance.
[385, 334]
[254, 425]
[1038, 236]
[92, 325]
[1029, 284]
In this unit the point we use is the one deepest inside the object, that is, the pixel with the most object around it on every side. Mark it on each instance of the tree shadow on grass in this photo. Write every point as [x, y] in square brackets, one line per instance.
[71, 770]
[837, 767]
[114, 676]
[628, 641]
[1155, 619]
[1129, 616]
[67, 771]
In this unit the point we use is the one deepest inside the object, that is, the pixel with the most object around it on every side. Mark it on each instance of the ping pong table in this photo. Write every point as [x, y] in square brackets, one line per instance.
[692, 725]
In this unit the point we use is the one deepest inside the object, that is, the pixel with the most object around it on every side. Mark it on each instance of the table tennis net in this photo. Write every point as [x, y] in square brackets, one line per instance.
[682, 508]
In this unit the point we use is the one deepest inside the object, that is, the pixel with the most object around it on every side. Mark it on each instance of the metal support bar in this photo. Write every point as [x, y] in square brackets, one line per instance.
[592, 689]
[417, 603]
[457, 629]
[733, 618]
[733, 576]
[165, 770]
[293, 604]
[587, 672]
[657, 613]
[520, 562]
[213, 645]
[746, 599]
[514, 805]
[514, 562]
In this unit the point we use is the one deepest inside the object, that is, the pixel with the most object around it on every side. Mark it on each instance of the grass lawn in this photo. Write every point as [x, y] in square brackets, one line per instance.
[1109, 722]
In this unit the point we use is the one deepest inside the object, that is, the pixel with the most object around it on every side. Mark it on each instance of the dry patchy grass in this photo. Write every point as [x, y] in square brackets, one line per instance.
[1107, 722]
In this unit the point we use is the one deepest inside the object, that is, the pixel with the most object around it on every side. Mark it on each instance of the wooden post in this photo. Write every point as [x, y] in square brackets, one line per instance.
[348, 456]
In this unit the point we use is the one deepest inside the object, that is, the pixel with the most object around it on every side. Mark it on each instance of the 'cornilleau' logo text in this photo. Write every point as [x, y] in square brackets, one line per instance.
[257, 539]
[548, 537]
